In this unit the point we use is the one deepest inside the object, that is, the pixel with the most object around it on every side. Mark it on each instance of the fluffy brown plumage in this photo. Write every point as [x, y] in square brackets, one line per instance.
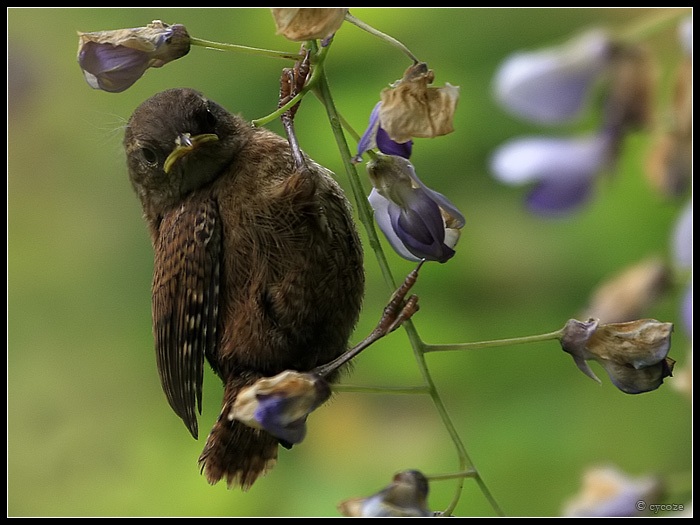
[258, 265]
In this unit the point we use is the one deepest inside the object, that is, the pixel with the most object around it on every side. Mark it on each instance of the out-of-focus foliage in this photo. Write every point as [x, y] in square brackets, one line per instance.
[89, 430]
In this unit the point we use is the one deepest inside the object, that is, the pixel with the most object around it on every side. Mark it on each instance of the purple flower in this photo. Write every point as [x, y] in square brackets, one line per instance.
[405, 497]
[634, 354]
[114, 60]
[281, 404]
[376, 137]
[419, 223]
[562, 169]
[551, 85]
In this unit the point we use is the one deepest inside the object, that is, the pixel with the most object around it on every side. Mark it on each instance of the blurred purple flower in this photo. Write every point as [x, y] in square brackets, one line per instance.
[682, 249]
[634, 354]
[608, 492]
[113, 60]
[685, 35]
[419, 223]
[551, 85]
[281, 404]
[682, 240]
[563, 169]
[687, 310]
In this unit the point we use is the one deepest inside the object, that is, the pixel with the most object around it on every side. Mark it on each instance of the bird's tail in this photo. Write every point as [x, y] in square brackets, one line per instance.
[235, 451]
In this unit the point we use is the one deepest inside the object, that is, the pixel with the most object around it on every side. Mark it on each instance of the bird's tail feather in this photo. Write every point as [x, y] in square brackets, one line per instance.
[236, 452]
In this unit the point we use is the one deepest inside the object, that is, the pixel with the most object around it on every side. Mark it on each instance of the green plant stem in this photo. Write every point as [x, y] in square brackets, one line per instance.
[245, 49]
[452, 475]
[381, 389]
[365, 213]
[465, 462]
[494, 343]
[366, 217]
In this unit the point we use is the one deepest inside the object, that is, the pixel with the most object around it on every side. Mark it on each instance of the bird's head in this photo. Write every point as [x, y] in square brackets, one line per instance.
[178, 141]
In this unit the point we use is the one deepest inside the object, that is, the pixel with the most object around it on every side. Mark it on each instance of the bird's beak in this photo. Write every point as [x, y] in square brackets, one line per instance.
[184, 143]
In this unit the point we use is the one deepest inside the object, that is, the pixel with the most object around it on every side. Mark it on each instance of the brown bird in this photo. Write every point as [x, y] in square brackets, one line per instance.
[258, 266]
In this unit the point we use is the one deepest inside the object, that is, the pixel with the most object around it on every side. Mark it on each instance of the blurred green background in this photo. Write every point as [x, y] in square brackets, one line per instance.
[89, 430]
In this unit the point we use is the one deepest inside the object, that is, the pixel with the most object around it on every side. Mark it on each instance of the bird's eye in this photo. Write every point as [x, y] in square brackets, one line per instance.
[209, 120]
[149, 156]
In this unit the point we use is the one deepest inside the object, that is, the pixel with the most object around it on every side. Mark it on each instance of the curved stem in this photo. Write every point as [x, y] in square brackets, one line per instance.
[390, 39]
[465, 462]
[659, 20]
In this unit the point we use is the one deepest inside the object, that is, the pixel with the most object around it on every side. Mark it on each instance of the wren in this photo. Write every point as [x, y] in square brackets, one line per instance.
[257, 263]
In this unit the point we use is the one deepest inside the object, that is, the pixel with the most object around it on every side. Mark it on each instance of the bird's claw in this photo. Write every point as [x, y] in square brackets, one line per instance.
[396, 312]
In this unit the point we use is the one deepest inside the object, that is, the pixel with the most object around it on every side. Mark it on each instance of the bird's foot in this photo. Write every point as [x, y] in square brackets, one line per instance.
[396, 312]
[291, 83]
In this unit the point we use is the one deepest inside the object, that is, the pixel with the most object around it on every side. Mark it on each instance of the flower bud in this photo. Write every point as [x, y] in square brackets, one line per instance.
[405, 497]
[114, 60]
[308, 23]
[411, 109]
[418, 222]
[634, 354]
[281, 404]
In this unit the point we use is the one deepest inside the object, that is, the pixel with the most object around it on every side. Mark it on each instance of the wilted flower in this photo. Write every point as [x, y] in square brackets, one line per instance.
[608, 492]
[629, 96]
[418, 222]
[633, 353]
[281, 404]
[551, 85]
[563, 169]
[308, 23]
[114, 60]
[411, 109]
[405, 497]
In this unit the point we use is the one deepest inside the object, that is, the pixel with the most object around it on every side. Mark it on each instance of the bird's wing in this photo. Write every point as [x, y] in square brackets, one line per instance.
[185, 303]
